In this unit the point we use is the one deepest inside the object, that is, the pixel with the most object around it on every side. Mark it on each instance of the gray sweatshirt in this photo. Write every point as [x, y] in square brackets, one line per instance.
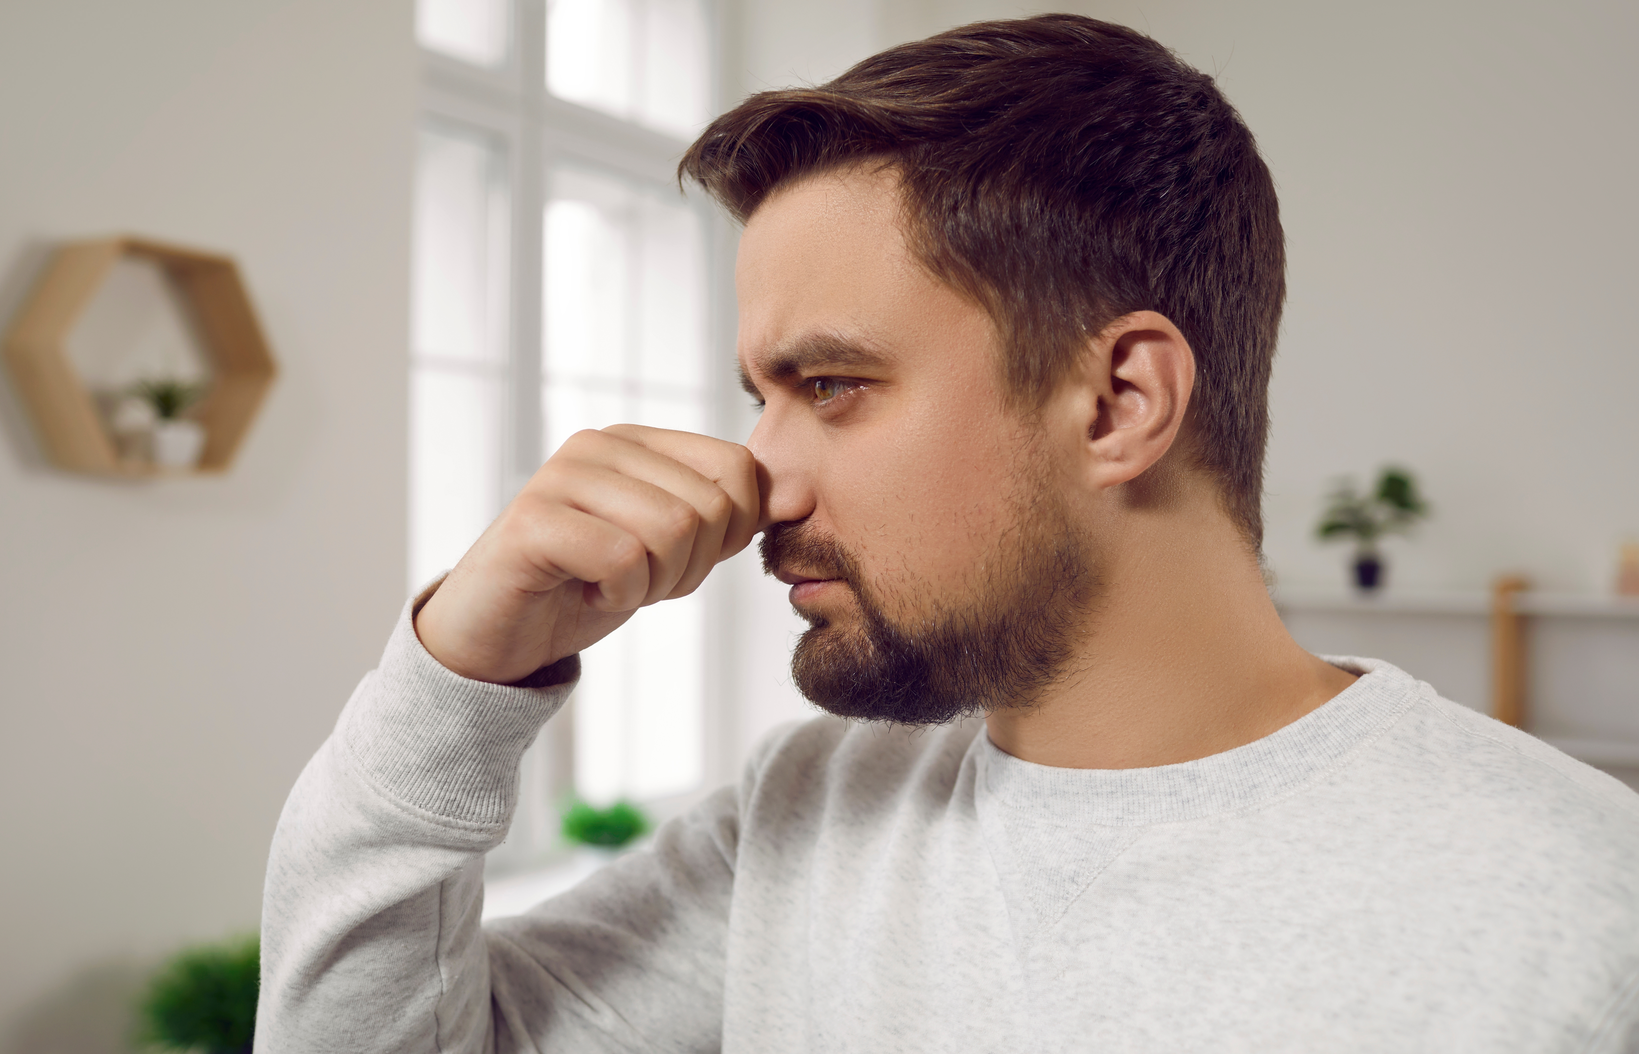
[1392, 872]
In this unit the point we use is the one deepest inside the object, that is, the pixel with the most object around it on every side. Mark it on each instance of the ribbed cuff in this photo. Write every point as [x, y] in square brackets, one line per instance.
[439, 742]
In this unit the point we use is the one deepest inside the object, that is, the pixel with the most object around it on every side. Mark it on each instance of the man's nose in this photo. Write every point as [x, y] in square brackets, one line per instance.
[783, 479]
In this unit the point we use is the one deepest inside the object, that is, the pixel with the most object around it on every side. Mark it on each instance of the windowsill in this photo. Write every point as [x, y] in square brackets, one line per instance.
[516, 892]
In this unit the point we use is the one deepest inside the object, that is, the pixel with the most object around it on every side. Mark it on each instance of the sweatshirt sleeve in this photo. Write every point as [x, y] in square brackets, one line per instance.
[371, 939]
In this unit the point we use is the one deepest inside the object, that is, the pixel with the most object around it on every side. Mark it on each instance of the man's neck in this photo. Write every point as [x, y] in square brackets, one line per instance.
[1184, 656]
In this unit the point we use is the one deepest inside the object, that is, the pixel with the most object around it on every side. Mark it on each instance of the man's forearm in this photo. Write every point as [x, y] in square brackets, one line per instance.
[371, 937]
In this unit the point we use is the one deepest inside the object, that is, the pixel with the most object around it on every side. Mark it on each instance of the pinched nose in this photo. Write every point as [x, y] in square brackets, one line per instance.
[784, 471]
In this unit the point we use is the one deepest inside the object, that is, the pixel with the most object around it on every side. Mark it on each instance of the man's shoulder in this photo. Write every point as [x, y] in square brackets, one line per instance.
[1523, 763]
[1456, 767]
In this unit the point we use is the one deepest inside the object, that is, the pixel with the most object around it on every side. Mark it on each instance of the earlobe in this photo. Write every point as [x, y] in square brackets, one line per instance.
[1147, 373]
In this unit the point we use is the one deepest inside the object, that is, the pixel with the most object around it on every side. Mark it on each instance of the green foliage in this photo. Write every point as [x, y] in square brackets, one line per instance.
[617, 825]
[169, 398]
[204, 999]
[1391, 508]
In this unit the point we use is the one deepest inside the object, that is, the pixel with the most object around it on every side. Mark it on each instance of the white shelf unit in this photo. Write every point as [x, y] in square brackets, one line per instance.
[1456, 602]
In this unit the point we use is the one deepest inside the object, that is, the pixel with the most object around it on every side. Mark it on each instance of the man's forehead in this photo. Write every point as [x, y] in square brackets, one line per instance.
[871, 188]
[846, 219]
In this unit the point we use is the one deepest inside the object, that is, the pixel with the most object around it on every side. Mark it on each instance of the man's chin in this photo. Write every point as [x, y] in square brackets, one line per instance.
[831, 641]
[844, 672]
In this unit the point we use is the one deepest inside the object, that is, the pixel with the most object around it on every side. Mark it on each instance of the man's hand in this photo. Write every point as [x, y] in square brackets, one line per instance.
[615, 520]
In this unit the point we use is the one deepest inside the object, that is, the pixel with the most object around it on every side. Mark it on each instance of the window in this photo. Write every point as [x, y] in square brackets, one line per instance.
[643, 60]
[459, 345]
[474, 31]
[561, 282]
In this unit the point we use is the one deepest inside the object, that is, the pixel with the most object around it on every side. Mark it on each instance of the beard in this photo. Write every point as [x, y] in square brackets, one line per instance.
[998, 645]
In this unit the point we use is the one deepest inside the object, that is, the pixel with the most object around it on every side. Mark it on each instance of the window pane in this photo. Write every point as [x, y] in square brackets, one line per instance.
[455, 465]
[471, 30]
[671, 344]
[589, 53]
[587, 274]
[459, 345]
[459, 272]
[642, 60]
[675, 85]
[625, 286]
[601, 720]
[665, 733]
[638, 707]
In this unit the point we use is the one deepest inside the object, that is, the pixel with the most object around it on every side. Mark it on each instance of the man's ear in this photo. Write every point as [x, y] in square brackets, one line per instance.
[1142, 372]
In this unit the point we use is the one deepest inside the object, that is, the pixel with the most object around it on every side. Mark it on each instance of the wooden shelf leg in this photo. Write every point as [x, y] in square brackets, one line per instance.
[1507, 651]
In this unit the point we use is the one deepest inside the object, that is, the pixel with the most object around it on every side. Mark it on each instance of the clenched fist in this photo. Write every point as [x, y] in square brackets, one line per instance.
[615, 520]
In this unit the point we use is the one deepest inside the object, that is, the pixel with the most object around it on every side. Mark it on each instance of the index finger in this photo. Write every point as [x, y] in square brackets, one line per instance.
[729, 465]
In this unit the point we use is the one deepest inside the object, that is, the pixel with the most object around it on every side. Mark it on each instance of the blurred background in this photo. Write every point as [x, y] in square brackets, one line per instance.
[459, 224]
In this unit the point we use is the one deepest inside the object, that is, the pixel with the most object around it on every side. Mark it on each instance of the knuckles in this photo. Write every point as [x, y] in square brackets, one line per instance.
[580, 440]
[718, 506]
[514, 527]
[626, 555]
[681, 523]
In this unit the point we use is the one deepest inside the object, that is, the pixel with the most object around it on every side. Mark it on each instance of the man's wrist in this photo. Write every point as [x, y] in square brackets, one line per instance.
[560, 671]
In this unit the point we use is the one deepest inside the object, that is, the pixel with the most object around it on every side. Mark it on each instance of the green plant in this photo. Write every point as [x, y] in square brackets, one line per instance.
[169, 397]
[1391, 508]
[204, 999]
[617, 825]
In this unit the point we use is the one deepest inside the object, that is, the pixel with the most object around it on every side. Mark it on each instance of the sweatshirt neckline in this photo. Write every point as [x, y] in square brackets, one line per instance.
[1236, 779]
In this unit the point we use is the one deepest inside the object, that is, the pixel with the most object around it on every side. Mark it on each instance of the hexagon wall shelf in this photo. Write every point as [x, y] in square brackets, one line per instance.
[65, 413]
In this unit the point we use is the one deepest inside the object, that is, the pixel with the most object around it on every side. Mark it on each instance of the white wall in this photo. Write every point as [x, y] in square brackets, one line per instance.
[172, 653]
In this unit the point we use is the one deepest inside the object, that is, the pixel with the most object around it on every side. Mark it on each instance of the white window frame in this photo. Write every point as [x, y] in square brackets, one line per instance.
[510, 104]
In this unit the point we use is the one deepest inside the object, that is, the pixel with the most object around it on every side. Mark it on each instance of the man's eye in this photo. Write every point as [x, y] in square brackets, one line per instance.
[827, 388]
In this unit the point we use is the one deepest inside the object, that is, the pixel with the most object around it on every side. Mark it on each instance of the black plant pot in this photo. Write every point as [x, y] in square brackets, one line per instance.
[1368, 573]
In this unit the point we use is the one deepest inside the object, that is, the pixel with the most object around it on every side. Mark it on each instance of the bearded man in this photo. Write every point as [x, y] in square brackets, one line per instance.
[1009, 298]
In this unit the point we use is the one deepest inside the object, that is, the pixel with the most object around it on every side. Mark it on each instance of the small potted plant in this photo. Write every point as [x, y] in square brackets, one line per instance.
[1392, 508]
[204, 999]
[611, 828]
[177, 440]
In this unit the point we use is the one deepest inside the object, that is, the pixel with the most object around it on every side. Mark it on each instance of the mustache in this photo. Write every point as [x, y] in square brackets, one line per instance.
[803, 547]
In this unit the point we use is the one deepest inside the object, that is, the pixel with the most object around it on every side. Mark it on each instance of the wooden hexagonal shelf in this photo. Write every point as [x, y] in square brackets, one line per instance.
[64, 412]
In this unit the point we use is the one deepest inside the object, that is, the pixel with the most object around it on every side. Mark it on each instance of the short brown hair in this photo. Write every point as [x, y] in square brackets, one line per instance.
[1062, 172]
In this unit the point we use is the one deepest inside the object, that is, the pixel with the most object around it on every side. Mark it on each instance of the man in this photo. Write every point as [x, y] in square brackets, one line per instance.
[1009, 298]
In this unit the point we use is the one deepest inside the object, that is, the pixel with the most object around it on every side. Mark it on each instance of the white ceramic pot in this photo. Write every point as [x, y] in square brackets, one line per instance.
[133, 415]
[178, 444]
[132, 421]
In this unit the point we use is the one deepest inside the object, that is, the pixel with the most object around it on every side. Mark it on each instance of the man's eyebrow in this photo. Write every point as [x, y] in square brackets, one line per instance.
[810, 354]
